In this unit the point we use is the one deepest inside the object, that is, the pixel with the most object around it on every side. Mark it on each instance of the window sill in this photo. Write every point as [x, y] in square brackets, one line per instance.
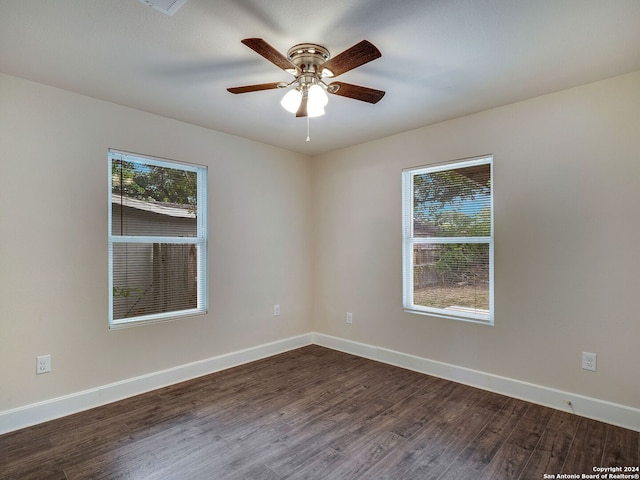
[458, 315]
[152, 319]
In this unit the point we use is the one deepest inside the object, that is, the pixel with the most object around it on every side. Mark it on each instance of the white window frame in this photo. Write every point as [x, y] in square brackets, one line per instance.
[409, 241]
[200, 240]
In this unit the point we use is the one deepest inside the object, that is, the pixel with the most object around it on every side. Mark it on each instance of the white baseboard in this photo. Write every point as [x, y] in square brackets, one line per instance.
[615, 414]
[29, 415]
[608, 412]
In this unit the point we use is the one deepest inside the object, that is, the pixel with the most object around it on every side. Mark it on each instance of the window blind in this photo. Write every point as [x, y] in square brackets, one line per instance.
[157, 239]
[448, 240]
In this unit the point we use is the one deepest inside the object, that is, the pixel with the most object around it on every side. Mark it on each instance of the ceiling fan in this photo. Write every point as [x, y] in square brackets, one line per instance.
[310, 64]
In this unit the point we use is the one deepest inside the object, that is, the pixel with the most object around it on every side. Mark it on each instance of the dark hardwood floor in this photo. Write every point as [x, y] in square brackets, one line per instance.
[314, 413]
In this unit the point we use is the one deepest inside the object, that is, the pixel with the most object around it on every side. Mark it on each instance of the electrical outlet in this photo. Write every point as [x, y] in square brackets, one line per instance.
[43, 364]
[349, 318]
[589, 361]
[276, 310]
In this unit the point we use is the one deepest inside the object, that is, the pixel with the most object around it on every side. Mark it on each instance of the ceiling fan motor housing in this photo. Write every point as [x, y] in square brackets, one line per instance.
[308, 57]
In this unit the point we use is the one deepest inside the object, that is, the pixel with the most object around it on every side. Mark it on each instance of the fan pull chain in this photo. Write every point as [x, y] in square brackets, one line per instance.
[308, 137]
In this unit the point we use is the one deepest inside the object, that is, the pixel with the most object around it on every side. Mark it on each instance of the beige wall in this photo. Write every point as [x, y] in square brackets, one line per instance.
[567, 192]
[321, 237]
[53, 243]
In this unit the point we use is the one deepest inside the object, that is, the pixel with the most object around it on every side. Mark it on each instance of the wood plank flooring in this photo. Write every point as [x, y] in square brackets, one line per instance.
[314, 413]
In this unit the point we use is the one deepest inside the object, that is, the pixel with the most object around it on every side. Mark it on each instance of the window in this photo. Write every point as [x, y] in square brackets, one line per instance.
[157, 239]
[448, 240]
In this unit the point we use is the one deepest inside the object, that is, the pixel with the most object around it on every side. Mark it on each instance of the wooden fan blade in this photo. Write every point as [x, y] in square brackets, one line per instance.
[356, 92]
[302, 109]
[256, 88]
[351, 58]
[261, 47]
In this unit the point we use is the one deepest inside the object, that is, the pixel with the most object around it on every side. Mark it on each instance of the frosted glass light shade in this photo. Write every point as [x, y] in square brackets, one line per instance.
[291, 101]
[314, 111]
[317, 96]
[317, 101]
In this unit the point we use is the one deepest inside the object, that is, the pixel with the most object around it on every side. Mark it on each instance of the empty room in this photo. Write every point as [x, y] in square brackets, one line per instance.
[355, 239]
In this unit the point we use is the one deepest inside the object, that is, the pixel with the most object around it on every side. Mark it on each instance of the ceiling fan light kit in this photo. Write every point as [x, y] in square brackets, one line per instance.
[317, 99]
[310, 64]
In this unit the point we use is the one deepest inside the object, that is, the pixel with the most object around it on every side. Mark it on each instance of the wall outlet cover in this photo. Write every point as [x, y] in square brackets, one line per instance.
[43, 364]
[589, 361]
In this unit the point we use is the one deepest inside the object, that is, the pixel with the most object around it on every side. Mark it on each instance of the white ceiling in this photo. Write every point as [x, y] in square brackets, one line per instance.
[440, 58]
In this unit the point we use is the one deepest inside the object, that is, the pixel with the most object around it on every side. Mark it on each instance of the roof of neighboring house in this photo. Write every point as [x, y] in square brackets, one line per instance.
[161, 208]
[424, 229]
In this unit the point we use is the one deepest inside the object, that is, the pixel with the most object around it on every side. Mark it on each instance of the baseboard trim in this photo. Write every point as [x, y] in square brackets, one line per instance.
[608, 412]
[615, 414]
[21, 417]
